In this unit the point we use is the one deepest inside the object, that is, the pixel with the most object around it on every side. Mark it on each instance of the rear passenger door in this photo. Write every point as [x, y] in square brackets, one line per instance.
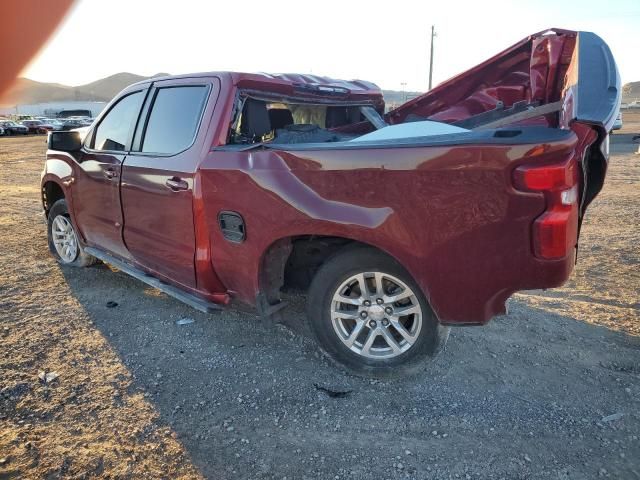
[158, 177]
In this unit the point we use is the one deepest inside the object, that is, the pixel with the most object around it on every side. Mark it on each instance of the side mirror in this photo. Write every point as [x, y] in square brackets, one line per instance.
[65, 141]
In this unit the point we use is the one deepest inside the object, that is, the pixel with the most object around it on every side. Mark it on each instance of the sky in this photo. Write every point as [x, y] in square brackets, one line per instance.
[386, 42]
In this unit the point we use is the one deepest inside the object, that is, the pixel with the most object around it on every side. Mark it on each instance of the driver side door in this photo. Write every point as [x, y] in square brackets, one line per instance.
[96, 190]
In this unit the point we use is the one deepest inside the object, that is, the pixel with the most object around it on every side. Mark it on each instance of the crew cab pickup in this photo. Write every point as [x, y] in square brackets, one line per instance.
[228, 188]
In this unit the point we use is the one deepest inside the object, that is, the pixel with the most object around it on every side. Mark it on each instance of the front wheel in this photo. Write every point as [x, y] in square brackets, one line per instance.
[63, 238]
[370, 316]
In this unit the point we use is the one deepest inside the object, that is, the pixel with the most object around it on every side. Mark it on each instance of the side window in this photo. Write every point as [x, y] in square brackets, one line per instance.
[174, 119]
[115, 128]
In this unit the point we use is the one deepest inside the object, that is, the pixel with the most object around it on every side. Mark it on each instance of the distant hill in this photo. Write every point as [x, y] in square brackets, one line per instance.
[30, 91]
[395, 98]
[631, 92]
[26, 91]
[108, 87]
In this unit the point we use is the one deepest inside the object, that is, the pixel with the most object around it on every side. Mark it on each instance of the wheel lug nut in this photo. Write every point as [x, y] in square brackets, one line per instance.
[379, 301]
[388, 310]
[363, 314]
[385, 322]
[367, 303]
[373, 324]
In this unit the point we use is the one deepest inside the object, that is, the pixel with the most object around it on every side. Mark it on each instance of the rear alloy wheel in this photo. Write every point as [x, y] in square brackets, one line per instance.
[376, 315]
[371, 317]
[64, 243]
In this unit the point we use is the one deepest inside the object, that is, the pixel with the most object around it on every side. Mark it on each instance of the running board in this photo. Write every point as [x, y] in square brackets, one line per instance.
[191, 300]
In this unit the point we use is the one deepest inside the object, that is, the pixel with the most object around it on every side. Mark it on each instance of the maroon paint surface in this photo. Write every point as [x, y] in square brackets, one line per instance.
[450, 215]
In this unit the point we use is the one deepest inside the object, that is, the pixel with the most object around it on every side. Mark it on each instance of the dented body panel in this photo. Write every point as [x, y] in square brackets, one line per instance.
[447, 213]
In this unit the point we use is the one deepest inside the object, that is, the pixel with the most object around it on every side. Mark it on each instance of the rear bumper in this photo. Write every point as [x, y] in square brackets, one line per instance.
[540, 275]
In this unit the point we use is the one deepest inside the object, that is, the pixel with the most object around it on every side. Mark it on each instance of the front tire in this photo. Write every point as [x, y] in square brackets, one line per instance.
[64, 242]
[371, 317]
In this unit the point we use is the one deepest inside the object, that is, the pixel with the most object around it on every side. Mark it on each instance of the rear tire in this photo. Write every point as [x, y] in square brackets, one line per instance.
[370, 333]
[64, 241]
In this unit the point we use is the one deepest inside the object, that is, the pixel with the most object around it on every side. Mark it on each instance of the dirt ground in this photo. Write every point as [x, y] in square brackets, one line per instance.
[551, 391]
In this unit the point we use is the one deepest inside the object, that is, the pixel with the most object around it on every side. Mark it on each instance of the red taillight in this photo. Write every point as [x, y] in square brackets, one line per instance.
[549, 177]
[555, 232]
[552, 235]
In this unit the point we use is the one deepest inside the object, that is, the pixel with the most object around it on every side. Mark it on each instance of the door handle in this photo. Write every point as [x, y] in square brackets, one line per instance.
[110, 173]
[176, 184]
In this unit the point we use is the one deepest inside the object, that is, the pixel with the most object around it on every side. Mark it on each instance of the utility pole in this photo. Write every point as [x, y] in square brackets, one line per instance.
[433, 34]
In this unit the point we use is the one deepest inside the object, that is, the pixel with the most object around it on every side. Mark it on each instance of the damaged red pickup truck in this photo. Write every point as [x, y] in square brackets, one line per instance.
[230, 187]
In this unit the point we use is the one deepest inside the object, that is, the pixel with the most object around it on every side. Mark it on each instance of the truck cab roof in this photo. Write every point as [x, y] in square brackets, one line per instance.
[291, 84]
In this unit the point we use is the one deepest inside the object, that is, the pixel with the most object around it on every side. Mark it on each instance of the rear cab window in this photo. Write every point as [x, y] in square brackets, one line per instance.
[286, 121]
[173, 122]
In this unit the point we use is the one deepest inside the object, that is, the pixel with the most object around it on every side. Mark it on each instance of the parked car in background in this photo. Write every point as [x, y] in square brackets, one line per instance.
[57, 124]
[617, 125]
[1, 131]
[36, 126]
[47, 125]
[82, 121]
[13, 128]
[227, 187]
[71, 123]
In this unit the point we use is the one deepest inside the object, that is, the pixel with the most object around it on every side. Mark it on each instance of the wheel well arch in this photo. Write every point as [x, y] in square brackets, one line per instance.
[290, 263]
[51, 193]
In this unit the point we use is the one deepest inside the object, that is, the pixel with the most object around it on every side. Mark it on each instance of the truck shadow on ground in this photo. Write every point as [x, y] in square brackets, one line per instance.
[253, 400]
